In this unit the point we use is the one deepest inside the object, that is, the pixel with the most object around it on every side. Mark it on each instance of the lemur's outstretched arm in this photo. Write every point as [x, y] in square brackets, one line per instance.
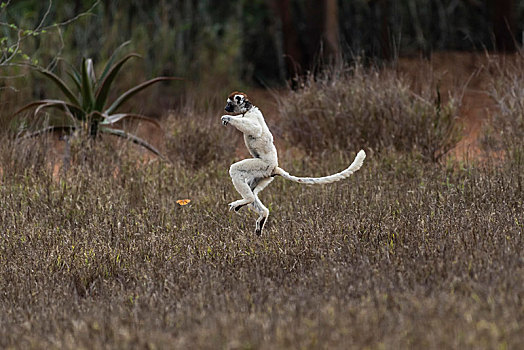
[243, 124]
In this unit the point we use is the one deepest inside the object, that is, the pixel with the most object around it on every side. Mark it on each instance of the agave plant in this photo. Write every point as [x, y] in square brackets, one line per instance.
[87, 107]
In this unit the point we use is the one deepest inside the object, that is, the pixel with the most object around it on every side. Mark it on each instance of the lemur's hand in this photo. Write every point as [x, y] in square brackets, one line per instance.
[225, 119]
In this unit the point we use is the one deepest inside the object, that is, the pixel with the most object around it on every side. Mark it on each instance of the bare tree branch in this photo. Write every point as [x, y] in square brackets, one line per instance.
[83, 14]
[39, 26]
[10, 51]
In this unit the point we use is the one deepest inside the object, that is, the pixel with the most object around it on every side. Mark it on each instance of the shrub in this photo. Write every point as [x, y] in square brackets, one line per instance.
[86, 110]
[352, 107]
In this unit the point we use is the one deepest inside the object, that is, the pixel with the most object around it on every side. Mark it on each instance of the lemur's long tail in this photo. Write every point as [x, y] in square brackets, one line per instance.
[357, 163]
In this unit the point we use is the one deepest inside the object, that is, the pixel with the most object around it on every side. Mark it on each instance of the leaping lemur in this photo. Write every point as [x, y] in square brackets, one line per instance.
[250, 176]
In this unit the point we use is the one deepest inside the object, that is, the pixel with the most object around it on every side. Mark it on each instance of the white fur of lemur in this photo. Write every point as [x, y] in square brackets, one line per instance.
[250, 176]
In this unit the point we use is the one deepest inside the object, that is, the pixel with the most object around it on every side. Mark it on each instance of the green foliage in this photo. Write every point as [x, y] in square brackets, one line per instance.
[86, 108]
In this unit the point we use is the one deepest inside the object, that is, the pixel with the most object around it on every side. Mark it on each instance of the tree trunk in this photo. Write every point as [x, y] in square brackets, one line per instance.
[293, 53]
[385, 39]
[323, 42]
[504, 25]
[330, 32]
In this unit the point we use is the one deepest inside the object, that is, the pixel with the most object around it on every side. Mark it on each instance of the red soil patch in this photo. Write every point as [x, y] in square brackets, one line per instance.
[474, 112]
[466, 75]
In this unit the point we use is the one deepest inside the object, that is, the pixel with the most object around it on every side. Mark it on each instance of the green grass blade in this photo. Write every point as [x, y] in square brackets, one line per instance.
[87, 88]
[62, 85]
[133, 91]
[105, 85]
[135, 139]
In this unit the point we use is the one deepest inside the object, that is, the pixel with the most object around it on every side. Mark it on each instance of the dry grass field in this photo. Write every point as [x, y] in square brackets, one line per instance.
[413, 251]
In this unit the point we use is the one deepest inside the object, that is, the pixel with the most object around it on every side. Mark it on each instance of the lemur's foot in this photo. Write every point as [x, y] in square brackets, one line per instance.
[237, 205]
[260, 226]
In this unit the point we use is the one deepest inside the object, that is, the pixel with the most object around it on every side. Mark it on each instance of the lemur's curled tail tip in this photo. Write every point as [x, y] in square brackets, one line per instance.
[357, 164]
[359, 160]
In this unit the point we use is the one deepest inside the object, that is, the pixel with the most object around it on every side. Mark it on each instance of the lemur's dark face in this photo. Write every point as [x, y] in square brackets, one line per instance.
[237, 103]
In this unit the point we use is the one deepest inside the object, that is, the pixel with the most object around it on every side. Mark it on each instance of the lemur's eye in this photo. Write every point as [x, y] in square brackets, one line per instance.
[238, 98]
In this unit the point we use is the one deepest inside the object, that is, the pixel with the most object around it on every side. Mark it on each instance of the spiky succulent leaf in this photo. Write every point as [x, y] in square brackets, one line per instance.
[67, 128]
[56, 104]
[105, 85]
[91, 72]
[68, 108]
[76, 80]
[132, 138]
[133, 91]
[111, 119]
[111, 60]
[61, 85]
[87, 88]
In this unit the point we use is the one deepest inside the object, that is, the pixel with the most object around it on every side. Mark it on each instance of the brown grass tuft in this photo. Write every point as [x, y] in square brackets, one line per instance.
[347, 108]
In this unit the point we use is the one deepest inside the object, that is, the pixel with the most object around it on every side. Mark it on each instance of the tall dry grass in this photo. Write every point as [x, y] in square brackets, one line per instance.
[349, 107]
[404, 254]
[194, 134]
[507, 89]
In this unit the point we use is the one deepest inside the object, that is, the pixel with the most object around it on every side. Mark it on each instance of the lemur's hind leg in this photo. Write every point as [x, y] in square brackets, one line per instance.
[262, 183]
[262, 211]
[253, 184]
[245, 176]
[245, 191]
